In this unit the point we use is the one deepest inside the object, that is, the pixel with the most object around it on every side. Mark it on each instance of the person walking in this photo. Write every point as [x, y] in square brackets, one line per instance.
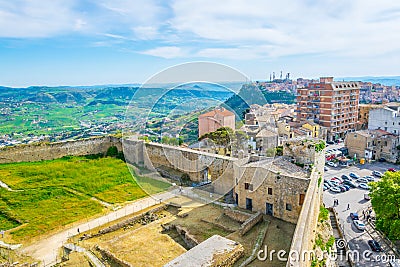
[348, 206]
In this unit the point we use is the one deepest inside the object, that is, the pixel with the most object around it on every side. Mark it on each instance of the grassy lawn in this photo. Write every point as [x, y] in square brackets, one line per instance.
[50, 194]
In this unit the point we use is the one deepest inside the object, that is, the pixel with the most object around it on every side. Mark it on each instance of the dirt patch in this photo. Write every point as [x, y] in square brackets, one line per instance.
[76, 259]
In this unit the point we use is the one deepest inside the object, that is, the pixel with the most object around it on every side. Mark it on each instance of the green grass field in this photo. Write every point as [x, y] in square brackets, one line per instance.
[50, 194]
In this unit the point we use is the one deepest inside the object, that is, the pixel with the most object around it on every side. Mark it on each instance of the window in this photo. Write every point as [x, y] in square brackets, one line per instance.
[269, 191]
[301, 199]
[288, 207]
[246, 186]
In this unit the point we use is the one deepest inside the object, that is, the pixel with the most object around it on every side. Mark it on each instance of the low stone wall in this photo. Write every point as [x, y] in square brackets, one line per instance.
[236, 215]
[250, 222]
[189, 239]
[107, 254]
[126, 223]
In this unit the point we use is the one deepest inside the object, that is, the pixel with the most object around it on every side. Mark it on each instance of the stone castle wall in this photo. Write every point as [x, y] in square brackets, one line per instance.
[49, 151]
[200, 166]
[302, 241]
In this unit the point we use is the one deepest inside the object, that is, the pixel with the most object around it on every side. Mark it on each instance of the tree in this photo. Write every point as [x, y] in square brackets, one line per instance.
[385, 200]
[222, 137]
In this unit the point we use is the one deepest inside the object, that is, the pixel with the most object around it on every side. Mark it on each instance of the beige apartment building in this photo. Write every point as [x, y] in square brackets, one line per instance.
[333, 105]
[217, 118]
[373, 145]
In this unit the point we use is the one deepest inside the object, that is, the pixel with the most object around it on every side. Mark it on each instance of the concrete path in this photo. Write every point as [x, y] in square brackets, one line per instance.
[46, 250]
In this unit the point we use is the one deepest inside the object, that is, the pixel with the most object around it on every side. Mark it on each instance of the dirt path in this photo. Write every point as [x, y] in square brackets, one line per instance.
[46, 250]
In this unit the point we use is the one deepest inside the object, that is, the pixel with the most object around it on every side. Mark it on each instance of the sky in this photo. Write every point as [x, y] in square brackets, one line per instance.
[92, 42]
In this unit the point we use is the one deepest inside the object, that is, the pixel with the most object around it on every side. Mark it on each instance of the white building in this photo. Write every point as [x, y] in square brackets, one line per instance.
[387, 118]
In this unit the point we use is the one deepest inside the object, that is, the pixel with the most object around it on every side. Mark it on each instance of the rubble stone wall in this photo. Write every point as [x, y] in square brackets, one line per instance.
[49, 151]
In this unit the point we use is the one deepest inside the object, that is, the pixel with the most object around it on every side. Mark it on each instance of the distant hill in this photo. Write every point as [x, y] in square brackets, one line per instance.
[249, 94]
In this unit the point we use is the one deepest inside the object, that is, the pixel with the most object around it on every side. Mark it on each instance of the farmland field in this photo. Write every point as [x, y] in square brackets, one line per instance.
[50, 194]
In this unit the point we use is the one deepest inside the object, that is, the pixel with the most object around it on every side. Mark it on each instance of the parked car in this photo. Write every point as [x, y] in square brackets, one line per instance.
[350, 183]
[332, 164]
[325, 187]
[392, 170]
[382, 160]
[363, 186]
[328, 184]
[335, 189]
[335, 183]
[346, 186]
[354, 175]
[359, 225]
[377, 173]
[345, 177]
[362, 180]
[342, 188]
[330, 142]
[337, 179]
[369, 178]
[367, 197]
[354, 215]
[375, 246]
[326, 169]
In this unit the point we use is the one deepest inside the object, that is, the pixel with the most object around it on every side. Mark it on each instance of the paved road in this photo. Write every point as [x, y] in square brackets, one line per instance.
[356, 239]
[46, 250]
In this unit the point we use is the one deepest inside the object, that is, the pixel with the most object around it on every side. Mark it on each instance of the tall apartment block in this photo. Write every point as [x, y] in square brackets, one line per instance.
[333, 105]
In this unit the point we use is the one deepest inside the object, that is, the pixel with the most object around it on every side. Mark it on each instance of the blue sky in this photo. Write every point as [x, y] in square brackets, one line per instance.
[87, 42]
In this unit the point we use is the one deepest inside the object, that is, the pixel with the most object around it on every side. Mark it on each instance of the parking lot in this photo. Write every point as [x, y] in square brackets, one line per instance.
[354, 198]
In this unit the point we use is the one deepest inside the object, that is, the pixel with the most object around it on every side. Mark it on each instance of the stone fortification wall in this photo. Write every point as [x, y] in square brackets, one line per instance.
[49, 151]
[200, 166]
[304, 234]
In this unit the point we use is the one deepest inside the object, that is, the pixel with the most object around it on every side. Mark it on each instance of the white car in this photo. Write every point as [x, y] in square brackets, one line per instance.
[362, 180]
[326, 169]
[377, 174]
[335, 189]
[363, 186]
[359, 225]
[369, 178]
[332, 164]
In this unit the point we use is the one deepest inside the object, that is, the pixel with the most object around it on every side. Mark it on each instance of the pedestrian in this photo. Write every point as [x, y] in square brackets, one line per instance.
[337, 202]
[348, 206]
[364, 213]
[78, 231]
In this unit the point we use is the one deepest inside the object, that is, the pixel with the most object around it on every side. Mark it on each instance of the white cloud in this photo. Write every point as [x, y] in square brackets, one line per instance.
[287, 28]
[231, 29]
[166, 52]
[146, 32]
[24, 18]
